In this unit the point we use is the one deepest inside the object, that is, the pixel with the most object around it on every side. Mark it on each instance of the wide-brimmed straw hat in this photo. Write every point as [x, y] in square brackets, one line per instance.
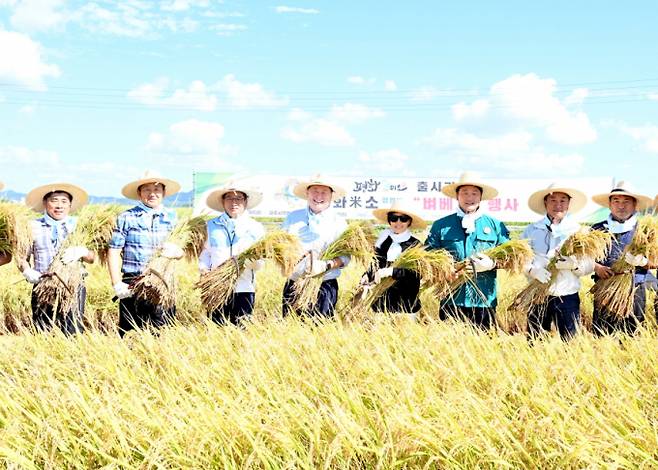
[131, 189]
[417, 222]
[318, 180]
[34, 198]
[214, 199]
[2, 186]
[577, 202]
[469, 178]
[623, 188]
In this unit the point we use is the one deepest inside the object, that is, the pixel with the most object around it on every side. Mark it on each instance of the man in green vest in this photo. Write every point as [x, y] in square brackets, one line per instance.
[465, 234]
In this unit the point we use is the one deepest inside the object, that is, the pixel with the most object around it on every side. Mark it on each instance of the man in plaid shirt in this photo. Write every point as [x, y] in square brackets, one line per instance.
[56, 201]
[139, 232]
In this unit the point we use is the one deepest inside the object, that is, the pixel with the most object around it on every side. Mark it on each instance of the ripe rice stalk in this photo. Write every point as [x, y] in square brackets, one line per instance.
[357, 242]
[615, 294]
[218, 285]
[583, 244]
[15, 230]
[198, 234]
[99, 221]
[157, 284]
[434, 267]
[513, 256]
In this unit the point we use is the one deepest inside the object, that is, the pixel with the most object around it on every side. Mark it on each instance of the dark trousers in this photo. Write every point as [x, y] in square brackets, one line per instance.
[482, 317]
[325, 304]
[564, 311]
[137, 313]
[69, 323]
[239, 307]
[603, 323]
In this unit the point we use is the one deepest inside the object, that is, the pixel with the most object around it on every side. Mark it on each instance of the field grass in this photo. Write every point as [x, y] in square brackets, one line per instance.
[282, 393]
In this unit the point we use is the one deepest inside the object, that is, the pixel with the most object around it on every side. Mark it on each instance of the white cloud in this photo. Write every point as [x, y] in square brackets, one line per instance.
[248, 95]
[354, 113]
[320, 131]
[653, 96]
[306, 11]
[228, 29]
[425, 93]
[21, 61]
[37, 15]
[647, 135]
[514, 153]
[25, 157]
[577, 96]
[184, 5]
[297, 114]
[462, 111]
[385, 161]
[358, 80]
[196, 96]
[390, 85]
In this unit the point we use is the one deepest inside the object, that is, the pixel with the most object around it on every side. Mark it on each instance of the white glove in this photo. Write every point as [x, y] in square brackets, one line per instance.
[318, 266]
[636, 260]
[122, 290]
[31, 275]
[172, 251]
[73, 254]
[482, 262]
[382, 274]
[252, 264]
[566, 263]
[540, 274]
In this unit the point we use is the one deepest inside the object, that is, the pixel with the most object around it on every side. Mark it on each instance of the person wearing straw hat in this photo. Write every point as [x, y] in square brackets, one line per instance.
[139, 233]
[556, 203]
[317, 226]
[402, 296]
[49, 232]
[624, 203]
[228, 235]
[465, 234]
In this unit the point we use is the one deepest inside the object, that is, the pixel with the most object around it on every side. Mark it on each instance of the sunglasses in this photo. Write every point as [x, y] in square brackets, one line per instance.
[398, 218]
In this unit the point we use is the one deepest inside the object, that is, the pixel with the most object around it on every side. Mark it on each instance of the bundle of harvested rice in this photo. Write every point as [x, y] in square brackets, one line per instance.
[198, 234]
[584, 244]
[157, 284]
[513, 256]
[357, 242]
[61, 283]
[217, 286]
[15, 230]
[615, 294]
[434, 267]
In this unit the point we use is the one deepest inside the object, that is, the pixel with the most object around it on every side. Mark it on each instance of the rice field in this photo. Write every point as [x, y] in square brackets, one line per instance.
[383, 392]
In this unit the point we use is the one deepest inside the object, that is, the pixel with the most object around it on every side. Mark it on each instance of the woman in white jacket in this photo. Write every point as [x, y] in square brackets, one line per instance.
[546, 236]
[229, 234]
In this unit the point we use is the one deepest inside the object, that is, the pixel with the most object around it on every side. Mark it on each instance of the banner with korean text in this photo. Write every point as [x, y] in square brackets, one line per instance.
[421, 195]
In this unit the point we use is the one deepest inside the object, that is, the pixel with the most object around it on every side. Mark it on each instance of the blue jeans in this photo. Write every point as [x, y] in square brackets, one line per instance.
[325, 304]
[603, 323]
[563, 310]
[239, 306]
[69, 322]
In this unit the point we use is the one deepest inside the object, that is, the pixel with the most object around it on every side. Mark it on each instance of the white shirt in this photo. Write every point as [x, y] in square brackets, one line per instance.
[546, 245]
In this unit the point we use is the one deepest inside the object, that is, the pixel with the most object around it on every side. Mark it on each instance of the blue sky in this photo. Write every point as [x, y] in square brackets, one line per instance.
[96, 92]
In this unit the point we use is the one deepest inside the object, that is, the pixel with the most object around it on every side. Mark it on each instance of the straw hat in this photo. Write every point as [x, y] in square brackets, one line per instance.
[130, 190]
[214, 199]
[536, 199]
[318, 180]
[623, 188]
[2, 186]
[34, 198]
[417, 221]
[469, 178]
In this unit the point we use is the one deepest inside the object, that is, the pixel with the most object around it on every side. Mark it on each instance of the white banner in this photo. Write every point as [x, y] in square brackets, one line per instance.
[421, 195]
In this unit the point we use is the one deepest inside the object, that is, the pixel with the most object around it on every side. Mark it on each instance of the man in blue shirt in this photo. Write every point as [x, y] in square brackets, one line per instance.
[623, 203]
[465, 234]
[139, 233]
[49, 232]
[317, 226]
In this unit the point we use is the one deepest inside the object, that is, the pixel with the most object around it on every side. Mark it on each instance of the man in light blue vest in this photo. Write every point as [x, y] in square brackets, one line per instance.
[465, 234]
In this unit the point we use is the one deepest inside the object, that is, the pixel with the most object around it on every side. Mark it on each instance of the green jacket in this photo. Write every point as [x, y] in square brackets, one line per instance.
[448, 233]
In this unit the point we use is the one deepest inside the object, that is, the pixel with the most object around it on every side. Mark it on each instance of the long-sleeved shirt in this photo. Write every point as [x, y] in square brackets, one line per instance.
[139, 233]
[316, 232]
[229, 237]
[546, 244]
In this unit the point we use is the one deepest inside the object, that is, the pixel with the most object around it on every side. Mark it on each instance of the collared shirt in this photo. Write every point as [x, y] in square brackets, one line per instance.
[546, 245]
[44, 246]
[316, 232]
[488, 232]
[229, 237]
[138, 234]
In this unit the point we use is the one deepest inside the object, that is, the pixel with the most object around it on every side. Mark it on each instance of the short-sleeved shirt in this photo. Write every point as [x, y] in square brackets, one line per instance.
[44, 245]
[139, 233]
